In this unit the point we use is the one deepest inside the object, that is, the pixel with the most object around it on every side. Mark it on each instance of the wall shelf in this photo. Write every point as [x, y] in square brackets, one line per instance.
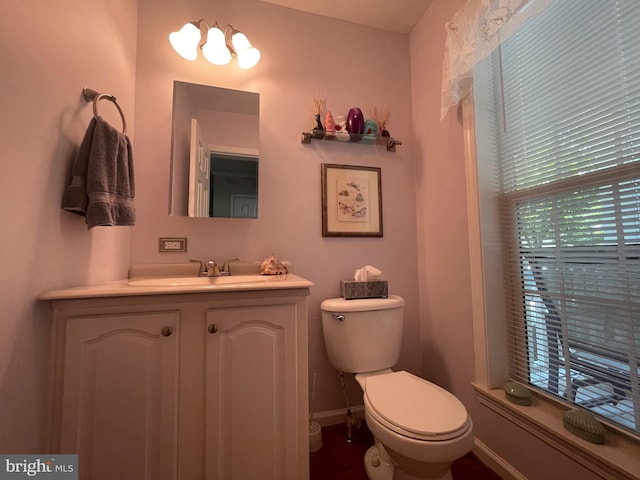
[351, 138]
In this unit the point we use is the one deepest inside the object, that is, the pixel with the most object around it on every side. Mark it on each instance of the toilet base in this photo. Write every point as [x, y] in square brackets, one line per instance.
[377, 468]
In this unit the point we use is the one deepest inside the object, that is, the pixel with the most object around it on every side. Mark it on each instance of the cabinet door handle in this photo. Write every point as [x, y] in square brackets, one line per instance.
[166, 331]
[212, 328]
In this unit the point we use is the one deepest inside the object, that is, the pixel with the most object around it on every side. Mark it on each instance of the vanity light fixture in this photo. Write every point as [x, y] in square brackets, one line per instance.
[216, 48]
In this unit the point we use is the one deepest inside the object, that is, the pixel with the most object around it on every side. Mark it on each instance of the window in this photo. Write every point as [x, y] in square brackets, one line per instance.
[557, 111]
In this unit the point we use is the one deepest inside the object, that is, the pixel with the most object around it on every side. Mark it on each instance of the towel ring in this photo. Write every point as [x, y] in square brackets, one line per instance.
[92, 95]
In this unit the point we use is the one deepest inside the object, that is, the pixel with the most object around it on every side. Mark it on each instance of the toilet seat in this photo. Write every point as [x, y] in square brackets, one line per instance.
[414, 407]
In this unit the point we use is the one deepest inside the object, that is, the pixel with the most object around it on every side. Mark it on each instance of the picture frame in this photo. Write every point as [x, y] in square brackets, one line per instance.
[351, 201]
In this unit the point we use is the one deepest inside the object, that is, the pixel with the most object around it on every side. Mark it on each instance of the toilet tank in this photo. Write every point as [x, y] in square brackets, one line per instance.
[363, 335]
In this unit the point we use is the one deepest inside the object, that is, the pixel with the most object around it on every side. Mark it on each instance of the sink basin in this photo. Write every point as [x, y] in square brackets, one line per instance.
[187, 281]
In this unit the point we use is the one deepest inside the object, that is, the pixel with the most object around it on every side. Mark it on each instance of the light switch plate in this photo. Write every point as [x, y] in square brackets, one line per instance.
[173, 245]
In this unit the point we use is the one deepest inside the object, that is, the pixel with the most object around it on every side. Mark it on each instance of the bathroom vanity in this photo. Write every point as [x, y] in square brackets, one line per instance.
[182, 382]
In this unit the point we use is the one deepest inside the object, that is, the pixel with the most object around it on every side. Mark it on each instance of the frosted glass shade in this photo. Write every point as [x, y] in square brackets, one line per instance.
[215, 49]
[248, 56]
[185, 41]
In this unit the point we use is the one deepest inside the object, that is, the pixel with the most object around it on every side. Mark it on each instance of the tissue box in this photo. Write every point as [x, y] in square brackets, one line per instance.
[350, 289]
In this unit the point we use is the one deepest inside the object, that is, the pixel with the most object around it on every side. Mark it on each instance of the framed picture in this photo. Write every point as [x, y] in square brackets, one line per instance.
[351, 201]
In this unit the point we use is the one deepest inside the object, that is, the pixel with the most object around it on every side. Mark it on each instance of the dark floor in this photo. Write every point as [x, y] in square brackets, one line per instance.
[341, 460]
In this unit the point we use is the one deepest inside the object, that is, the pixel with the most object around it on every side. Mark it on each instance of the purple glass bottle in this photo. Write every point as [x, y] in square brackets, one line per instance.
[355, 121]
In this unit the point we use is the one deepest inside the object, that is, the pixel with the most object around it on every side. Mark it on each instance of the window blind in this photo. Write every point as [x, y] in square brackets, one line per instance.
[558, 118]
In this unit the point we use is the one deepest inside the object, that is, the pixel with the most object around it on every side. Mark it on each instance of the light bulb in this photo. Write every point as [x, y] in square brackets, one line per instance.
[185, 42]
[215, 49]
[248, 56]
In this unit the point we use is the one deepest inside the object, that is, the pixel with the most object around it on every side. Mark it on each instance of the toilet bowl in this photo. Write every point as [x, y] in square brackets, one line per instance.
[420, 429]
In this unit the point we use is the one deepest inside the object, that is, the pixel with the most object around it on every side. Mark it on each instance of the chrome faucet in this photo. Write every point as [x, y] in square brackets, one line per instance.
[208, 269]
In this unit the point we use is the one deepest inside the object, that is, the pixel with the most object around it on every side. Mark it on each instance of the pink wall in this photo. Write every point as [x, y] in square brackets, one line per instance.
[50, 50]
[447, 336]
[302, 55]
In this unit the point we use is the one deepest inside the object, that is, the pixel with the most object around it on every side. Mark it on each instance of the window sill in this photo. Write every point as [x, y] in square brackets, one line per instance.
[619, 457]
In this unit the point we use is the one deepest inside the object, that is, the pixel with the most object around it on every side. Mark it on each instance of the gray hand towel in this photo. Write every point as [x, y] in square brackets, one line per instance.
[75, 197]
[102, 186]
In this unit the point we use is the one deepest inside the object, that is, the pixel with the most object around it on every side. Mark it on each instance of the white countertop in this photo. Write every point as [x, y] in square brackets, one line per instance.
[122, 288]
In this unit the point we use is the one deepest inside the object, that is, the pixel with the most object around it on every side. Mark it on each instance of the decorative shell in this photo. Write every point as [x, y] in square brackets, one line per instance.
[584, 424]
[517, 393]
[272, 266]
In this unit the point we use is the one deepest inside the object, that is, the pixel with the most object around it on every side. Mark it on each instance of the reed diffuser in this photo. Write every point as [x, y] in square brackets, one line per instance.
[318, 106]
[381, 117]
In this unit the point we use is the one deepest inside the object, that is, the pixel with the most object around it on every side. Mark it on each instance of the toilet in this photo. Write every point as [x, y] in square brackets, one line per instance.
[420, 429]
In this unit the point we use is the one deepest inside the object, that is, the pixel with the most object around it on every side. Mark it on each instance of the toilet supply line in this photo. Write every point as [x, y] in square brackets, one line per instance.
[350, 420]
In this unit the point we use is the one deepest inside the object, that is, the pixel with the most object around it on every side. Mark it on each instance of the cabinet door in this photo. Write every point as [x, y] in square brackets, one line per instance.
[119, 407]
[252, 395]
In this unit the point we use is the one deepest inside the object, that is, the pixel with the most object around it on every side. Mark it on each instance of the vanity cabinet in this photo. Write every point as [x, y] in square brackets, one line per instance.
[251, 409]
[119, 394]
[183, 386]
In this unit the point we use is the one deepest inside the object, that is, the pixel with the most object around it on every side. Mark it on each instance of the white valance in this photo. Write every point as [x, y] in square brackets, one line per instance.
[472, 34]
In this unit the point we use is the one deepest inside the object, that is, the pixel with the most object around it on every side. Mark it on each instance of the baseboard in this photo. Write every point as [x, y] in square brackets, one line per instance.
[495, 462]
[336, 417]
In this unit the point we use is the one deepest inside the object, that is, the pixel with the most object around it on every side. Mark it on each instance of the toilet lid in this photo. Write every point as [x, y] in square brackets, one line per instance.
[415, 407]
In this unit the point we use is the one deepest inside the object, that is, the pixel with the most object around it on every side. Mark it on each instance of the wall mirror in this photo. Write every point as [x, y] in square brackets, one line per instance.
[214, 152]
